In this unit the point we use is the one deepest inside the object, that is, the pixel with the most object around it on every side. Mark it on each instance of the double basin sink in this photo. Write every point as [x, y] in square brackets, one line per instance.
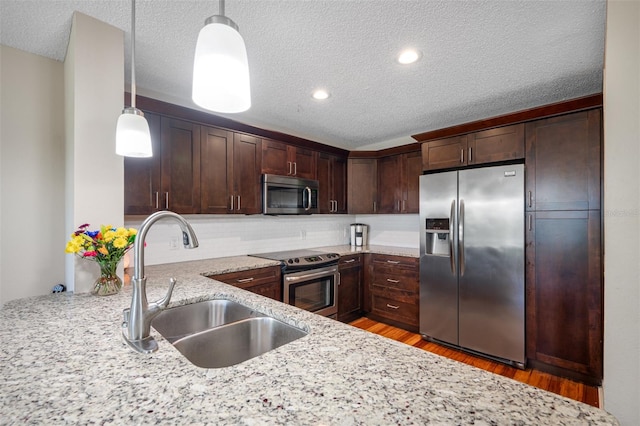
[220, 333]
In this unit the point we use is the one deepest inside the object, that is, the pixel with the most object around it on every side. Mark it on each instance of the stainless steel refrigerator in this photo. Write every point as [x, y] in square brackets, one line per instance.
[472, 260]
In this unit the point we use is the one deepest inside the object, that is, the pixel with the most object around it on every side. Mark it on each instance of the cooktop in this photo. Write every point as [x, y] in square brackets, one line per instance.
[293, 259]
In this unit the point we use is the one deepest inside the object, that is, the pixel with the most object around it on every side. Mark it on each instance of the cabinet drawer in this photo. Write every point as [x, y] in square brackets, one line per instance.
[408, 282]
[405, 310]
[251, 277]
[395, 263]
[350, 261]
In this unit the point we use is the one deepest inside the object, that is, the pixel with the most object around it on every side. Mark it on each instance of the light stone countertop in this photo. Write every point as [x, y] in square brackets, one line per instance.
[62, 361]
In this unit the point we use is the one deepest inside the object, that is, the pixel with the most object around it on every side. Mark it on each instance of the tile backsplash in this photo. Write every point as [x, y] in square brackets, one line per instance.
[228, 235]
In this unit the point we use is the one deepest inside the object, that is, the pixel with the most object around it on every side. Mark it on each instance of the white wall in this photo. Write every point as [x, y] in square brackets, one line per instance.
[229, 235]
[32, 174]
[94, 183]
[622, 212]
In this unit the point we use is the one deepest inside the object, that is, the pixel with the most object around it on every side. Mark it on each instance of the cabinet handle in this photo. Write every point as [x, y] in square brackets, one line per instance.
[375, 207]
[392, 306]
[295, 168]
[470, 159]
[289, 163]
[157, 200]
[245, 280]
[349, 261]
[231, 197]
[530, 198]
[462, 156]
[393, 262]
[530, 221]
[166, 201]
[238, 202]
[393, 281]
[404, 205]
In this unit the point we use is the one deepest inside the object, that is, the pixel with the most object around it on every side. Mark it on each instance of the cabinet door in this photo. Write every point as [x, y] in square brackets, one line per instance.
[216, 151]
[362, 181]
[339, 172]
[180, 166]
[263, 281]
[303, 162]
[246, 174]
[411, 171]
[493, 145]
[325, 201]
[389, 185]
[564, 291]
[350, 289]
[563, 162]
[275, 158]
[142, 175]
[444, 153]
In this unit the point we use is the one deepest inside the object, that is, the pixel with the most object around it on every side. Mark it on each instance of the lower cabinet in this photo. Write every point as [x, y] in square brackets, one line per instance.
[350, 289]
[564, 294]
[392, 290]
[263, 281]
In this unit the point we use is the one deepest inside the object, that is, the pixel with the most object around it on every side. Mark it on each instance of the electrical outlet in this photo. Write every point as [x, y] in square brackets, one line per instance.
[173, 243]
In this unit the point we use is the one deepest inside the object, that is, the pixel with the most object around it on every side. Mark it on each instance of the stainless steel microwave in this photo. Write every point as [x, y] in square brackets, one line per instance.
[289, 195]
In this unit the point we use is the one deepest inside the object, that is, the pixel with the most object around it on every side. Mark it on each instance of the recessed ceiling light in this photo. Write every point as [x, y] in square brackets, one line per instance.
[408, 56]
[320, 94]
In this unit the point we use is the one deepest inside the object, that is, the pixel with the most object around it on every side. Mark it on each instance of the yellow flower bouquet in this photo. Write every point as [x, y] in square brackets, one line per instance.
[106, 247]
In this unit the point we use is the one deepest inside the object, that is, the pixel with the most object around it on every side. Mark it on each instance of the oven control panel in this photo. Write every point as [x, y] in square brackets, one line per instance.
[313, 260]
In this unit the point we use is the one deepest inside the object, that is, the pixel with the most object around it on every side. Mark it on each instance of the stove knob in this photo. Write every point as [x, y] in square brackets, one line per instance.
[296, 260]
[290, 261]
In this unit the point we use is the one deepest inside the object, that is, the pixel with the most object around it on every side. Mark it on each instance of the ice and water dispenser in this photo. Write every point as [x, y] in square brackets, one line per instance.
[437, 237]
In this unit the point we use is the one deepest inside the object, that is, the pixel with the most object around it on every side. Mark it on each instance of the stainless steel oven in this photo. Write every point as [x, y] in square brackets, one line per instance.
[310, 280]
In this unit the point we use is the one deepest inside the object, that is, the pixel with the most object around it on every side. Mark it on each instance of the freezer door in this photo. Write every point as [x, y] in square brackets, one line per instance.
[491, 253]
[438, 257]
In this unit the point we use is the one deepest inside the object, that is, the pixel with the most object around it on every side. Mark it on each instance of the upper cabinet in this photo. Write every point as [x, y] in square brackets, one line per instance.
[398, 183]
[487, 146]
[563, 162]
[362, 178]
[287, 160]
[332, 177]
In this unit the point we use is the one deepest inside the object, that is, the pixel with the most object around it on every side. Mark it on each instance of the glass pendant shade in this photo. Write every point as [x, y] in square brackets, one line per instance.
[220, 69]
[133, 138]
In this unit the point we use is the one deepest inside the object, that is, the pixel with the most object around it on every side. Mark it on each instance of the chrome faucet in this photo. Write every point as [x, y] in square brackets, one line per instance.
[136, 326]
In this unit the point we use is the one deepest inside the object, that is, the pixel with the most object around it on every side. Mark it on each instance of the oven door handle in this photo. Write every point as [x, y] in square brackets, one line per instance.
[310, 275]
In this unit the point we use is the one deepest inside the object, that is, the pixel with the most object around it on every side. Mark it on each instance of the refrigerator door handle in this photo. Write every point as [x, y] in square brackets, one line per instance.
[452, 260]
[461, 236]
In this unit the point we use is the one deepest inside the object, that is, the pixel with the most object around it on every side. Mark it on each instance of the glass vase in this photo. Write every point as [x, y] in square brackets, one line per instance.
[109, 282]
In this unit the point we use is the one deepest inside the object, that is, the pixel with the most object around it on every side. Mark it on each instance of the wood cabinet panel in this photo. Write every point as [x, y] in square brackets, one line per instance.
[246, 174]
[389, 185]
[287, 160]
[350, 289]
[564, 162]
[411, 171]
[216, 152]
[264, 281]
[444, 153]
[332, 179]
[493, 145]
[362, 177]
[564, 292]
[180, 165]
[142, 175]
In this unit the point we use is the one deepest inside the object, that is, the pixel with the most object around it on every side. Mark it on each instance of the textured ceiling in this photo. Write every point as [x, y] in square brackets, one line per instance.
[479, 58]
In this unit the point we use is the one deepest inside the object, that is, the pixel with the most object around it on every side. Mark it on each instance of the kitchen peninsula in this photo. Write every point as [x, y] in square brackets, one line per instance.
[63, 360]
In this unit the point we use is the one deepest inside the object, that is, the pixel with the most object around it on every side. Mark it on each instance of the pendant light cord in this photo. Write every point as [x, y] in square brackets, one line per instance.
[133, 53]
[221, 7]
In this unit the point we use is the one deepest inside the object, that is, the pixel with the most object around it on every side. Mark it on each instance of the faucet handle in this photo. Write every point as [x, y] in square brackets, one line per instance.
[164, 302]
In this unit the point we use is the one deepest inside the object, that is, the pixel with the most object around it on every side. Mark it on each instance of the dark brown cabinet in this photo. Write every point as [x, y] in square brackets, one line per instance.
[288, 160]
[563, 162]
[142, 176]
[263, 281]
[230, 172]
[350, 288]
[487, 146]
[362, 179]
[392, 294]
[564, 275]
[332, 178]
[398, 183]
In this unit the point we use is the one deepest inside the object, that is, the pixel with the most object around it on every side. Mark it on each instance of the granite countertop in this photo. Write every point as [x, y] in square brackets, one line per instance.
[62, 360]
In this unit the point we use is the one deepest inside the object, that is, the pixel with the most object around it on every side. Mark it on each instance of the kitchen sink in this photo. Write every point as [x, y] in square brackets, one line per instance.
[176, 323]
[220, 333]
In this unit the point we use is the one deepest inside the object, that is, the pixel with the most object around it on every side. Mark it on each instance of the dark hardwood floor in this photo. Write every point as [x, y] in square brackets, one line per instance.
[561, 386]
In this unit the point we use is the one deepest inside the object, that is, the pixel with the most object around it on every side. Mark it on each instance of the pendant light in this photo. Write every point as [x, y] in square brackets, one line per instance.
[133, 138]
[220, 68]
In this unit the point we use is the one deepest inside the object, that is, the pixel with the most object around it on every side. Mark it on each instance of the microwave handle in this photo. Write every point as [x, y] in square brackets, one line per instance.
[308, 190]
